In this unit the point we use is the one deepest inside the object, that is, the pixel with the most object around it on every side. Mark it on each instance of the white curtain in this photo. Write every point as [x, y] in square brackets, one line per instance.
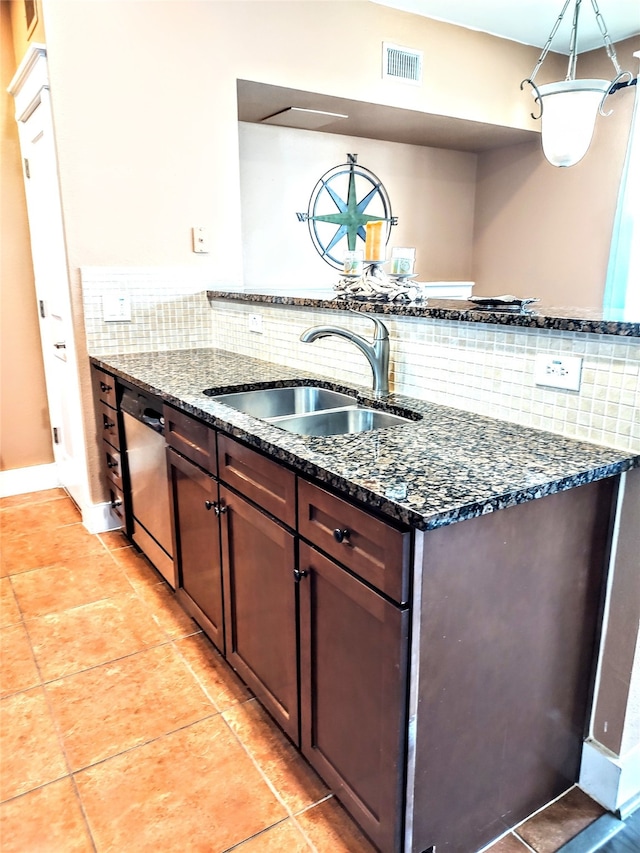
[622, 288]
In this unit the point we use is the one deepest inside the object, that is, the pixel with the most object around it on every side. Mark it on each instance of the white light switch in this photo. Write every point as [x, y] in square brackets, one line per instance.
[201, 239]
[116, 307]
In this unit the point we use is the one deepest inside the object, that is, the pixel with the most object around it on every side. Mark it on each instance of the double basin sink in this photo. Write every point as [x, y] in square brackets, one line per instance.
[309, 410]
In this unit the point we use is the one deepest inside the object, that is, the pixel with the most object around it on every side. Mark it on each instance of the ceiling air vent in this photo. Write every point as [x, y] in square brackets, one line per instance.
[401, 63]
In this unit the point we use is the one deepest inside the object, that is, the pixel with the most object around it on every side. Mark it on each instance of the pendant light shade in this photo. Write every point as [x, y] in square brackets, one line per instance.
[569, 108]
[569, 111]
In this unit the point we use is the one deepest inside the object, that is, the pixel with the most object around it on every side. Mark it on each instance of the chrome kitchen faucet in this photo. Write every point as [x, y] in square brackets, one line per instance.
[377, 352]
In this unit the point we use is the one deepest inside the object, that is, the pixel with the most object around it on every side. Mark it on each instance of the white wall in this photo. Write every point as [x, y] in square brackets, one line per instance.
[432, 193]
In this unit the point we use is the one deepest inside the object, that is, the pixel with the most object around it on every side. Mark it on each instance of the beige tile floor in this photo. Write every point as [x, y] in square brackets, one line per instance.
[122, 728]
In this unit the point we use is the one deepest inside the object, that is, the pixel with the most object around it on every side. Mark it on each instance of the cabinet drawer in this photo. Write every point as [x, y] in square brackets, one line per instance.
[108, 419]
[105, 386]
[263, 481]
[112, 464]
[116, 498]
[191, 437]
[369, 547]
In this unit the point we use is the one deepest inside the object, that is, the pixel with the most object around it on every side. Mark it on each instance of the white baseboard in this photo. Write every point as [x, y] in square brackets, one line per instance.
[36, 478]
[611, 780]
[98, 518]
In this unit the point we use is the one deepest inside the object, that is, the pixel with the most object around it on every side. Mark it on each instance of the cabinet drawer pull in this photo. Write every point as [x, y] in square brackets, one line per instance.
[210, 505]
[104, 387]
[108, 424]
[116, 503]
[341, 535]
[112, 464]
[298, 575]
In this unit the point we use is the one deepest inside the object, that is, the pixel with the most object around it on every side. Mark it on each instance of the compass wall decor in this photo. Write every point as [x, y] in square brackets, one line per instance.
[344, 199]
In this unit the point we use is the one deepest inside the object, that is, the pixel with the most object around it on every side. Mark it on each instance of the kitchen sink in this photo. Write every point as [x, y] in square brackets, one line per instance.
[309, 410]
[340, 421]
[269, 403]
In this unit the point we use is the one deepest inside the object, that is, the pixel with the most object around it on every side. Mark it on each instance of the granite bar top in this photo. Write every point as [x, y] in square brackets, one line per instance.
[447, 466]
[539, 316]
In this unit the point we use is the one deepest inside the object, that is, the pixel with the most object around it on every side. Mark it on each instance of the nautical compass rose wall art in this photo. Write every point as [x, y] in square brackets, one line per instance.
[342, 202]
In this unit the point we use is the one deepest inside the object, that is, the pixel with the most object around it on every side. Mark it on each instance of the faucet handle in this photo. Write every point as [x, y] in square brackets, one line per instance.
[381, 333]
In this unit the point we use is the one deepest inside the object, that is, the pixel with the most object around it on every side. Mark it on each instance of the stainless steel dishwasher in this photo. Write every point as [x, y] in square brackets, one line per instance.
[146, 455]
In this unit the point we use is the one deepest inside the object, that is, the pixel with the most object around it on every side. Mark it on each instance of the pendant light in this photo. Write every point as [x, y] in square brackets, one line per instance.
[568, 109]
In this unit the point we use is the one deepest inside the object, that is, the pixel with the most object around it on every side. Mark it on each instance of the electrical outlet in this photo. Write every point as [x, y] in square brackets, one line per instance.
[558, 371]
[255, 323]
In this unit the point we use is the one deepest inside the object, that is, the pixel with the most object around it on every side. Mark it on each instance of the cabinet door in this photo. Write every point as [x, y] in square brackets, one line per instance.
[197, 545]
[260, 606]
[353, 661]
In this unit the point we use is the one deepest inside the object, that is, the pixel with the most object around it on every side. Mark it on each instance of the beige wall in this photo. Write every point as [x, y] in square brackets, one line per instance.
[146, 116]
[25, 437]
[543, 231]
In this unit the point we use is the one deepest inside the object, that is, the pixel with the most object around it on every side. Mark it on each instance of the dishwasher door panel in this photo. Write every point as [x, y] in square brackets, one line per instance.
[150, 503]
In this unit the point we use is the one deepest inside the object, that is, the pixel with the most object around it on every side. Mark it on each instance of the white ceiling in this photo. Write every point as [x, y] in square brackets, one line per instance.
[531, 21]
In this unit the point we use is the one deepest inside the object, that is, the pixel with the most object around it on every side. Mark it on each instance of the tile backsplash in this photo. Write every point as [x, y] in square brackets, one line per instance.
[169, 309]
[477, 367]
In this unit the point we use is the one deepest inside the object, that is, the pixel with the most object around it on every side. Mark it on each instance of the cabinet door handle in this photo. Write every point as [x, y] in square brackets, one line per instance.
[341, 534]
[220, 509]
[112, 464]
[104, 387]
[116, 503]
[210, 505]
[108, 424]
[298, 575]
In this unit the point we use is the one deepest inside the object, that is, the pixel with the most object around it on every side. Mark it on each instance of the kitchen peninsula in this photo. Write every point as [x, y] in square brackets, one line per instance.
[447, 636]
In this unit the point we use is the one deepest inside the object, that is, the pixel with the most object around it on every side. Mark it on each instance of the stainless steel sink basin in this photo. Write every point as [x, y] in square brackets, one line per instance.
[309, 410]
[340, 421]
[269, 403]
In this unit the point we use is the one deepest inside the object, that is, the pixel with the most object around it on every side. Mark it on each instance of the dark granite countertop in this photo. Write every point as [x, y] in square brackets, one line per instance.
[448, 466]
[538, 316]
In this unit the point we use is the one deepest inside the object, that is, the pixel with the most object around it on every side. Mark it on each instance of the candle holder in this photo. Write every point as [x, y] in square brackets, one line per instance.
[373, 268]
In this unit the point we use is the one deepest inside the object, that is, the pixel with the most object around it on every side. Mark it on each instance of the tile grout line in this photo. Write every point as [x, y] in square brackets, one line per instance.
[521, 839]
[270, 785]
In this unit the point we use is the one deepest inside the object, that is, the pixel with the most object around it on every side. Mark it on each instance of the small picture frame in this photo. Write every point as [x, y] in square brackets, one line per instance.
[31, 14]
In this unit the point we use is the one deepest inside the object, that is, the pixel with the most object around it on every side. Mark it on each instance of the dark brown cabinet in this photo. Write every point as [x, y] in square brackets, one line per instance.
[109, 435]
[260, 606]
[197, 544]
[437, 680]
[235, 561]
[323, 646]
[353, 649]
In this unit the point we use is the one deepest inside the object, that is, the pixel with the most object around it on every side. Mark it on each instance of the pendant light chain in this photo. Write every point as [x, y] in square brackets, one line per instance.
[545, 49]
[608, 44]
[573, 46]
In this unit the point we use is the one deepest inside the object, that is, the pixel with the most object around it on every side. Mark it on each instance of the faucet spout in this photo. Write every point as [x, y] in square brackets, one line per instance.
[376, 352]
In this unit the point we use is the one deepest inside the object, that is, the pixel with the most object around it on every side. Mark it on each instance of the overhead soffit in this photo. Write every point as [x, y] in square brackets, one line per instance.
[260, 101]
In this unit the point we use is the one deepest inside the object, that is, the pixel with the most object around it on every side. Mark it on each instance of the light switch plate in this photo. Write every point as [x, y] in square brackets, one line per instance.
[255, 323]
[201, 239]
[558, 371]
[116, 308]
